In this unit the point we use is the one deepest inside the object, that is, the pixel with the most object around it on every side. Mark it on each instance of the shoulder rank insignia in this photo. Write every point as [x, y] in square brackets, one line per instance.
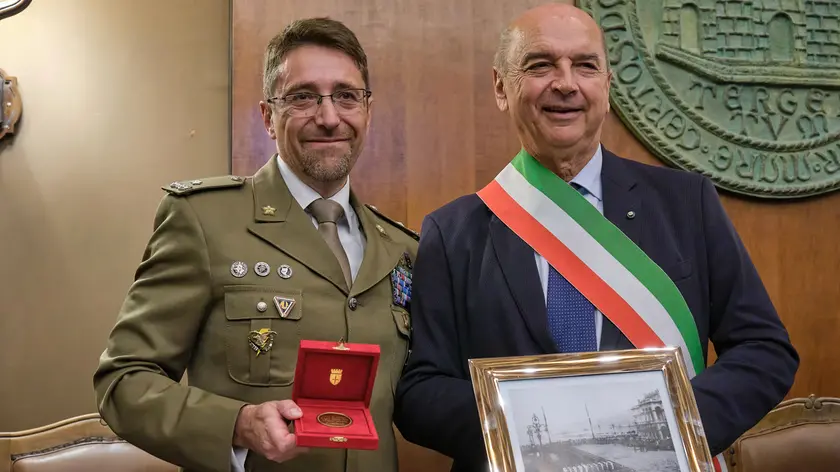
[394, 223]
[401, 281]
[188, 187]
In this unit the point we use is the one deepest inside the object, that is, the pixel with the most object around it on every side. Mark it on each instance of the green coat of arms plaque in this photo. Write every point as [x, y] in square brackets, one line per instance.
[746, 92]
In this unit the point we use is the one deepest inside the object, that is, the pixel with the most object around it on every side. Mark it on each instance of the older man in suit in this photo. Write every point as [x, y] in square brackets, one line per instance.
[493, 276]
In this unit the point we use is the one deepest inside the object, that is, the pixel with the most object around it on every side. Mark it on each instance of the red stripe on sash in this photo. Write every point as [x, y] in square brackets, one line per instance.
[570, 266]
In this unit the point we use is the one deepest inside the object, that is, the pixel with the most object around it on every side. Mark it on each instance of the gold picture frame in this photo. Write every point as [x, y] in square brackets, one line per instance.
[648, 385]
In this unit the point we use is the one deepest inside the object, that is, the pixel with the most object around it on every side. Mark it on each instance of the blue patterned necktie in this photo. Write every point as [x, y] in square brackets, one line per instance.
[571, 317]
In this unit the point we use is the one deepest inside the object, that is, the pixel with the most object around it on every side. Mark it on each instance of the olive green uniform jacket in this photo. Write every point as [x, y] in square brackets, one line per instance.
[187, 311]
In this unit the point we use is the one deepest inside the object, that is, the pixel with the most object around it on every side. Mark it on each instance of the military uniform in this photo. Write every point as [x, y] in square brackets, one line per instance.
[227, 257]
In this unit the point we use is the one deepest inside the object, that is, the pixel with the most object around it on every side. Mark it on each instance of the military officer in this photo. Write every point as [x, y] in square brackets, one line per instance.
[239, 270]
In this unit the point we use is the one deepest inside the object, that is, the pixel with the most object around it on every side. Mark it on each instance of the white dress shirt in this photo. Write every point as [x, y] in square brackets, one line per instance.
[349, 233]
[349, 230]
[588, 178]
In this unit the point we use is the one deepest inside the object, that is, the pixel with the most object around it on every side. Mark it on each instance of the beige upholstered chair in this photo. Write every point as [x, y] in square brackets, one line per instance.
[83, 443]
[801, 434]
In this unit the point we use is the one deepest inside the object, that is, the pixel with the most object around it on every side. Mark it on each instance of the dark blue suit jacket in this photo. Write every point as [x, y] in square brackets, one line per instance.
[477, 293]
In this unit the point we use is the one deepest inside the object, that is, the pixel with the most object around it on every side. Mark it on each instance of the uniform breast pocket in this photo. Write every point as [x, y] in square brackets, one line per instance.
[402, 320]
[262, 334]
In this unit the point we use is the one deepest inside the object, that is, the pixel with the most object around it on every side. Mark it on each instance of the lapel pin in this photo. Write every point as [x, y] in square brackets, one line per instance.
[631, 214]
[284, 305]
[262, 269]
[269, 210]
[284, 271]
[238, 269]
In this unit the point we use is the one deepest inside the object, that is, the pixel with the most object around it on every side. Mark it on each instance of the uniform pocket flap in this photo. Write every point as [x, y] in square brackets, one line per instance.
[402, 320]
[248, 303]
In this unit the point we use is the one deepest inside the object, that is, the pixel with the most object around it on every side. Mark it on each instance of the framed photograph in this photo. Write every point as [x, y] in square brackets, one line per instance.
[620, 411]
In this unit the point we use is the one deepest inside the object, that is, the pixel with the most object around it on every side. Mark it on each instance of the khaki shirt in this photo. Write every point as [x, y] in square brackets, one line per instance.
[187, 311]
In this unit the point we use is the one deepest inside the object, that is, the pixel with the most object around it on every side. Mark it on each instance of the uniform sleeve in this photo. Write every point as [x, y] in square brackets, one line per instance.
[756, 362]
[137, 381]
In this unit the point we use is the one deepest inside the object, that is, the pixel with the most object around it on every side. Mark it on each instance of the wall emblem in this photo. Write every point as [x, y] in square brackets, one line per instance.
[746, 92]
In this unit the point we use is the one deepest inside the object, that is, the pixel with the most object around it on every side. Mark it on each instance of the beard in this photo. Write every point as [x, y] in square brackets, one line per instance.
[324, 167]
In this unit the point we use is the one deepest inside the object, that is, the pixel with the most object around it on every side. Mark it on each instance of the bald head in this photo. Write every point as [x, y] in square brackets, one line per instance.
[552, 76]
[538, 19]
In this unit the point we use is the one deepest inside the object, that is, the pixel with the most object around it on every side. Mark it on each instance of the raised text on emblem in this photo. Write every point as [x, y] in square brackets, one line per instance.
[334, 420]
[743, 91]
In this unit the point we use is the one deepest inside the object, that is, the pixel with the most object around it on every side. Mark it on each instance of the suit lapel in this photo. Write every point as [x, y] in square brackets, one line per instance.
[619, 200]
[289, 228]
[519, 267]
[381, 252]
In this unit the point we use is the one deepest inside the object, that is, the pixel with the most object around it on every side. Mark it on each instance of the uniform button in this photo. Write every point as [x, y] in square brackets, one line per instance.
[353, 303]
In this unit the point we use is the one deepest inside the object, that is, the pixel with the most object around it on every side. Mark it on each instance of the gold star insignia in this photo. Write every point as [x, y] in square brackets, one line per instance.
[268, 210]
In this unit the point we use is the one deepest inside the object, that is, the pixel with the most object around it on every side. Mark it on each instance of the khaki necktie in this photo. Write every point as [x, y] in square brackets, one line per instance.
[327, 212]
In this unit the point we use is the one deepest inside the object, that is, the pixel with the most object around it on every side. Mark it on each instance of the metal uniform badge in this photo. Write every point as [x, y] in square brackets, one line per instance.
[262, 269]
[401, 281]
[284, 271]
[238, 269]
[284, 305]
[261, 341]
[180, 186]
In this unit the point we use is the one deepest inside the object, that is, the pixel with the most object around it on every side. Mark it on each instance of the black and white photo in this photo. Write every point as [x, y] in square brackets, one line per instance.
[614, 422]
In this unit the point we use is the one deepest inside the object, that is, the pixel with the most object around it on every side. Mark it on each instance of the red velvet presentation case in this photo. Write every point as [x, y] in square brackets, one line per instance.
[335, 377]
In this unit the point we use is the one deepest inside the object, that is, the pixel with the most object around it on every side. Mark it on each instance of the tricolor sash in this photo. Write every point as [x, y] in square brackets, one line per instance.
[596, 257]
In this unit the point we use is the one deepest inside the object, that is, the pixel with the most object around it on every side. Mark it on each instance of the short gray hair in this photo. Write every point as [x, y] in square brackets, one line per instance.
[317, 31]
[500, 60]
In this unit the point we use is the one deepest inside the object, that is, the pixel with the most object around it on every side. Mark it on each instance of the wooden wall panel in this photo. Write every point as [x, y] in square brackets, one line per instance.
[436, 134]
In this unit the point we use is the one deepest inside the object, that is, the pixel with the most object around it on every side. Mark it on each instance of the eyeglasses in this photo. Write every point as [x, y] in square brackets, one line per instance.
[306, 103]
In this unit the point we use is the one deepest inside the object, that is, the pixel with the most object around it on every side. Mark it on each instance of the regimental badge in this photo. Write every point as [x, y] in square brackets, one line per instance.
[401, 281]
[284, 305]
[261, 341]
[335, 376]
[284, 271]
[238, 269]
[262, 269]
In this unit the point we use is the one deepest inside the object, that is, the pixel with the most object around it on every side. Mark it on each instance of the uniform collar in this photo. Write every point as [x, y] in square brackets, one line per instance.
[304, 194]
